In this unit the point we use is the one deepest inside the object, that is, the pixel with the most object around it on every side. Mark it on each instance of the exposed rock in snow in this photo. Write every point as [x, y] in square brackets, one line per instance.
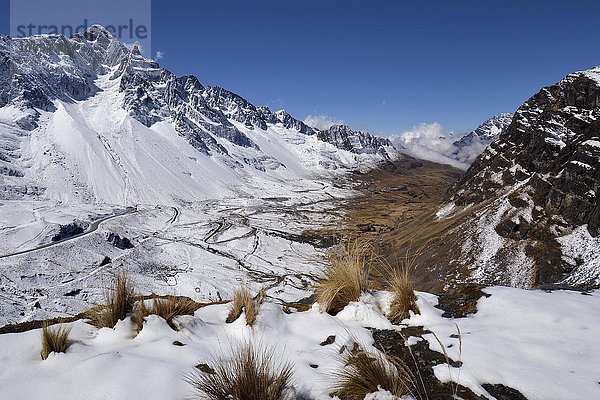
[540, 179]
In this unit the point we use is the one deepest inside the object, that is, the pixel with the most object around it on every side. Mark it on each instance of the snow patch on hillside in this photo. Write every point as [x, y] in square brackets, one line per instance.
[579, 247]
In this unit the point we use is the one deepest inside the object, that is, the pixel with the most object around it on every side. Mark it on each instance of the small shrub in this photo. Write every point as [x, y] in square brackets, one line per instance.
[402, 285]
[119, 301]
[54, 340]
[366, 373]
[140, 312]
[347, 277]
[167, 308]
[251, 374]
[243, 301]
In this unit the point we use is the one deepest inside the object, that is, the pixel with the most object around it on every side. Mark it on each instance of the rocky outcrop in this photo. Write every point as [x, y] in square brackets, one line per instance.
[290, 122]
[540, 181]
[341, 136]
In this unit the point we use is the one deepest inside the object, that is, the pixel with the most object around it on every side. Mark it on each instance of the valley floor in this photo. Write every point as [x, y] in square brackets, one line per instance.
[204, 250]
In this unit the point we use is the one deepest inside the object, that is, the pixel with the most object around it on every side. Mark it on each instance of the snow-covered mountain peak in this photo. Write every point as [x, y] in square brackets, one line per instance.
[592, 73]
[96, 31]
[494, 126]
[488, 130]
[470, 145]
[103, 119]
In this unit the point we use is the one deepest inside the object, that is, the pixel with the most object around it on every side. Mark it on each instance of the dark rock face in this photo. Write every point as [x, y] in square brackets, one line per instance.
[541, 179]
[550, 146]
[341, 136]
[234, 107]
[119, 242]
[292, 123]
[67, 231]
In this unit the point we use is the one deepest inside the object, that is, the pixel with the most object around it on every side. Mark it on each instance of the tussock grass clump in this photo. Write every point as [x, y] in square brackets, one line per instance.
[167, 308]
[119, 301]
[54, 340]
[251, 374]
[347, 276]
[402, 285]
[244, 302]
[366, 373]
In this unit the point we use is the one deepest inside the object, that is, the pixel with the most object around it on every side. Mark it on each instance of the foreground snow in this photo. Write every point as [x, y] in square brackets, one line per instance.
[514, 339]
[544, 344]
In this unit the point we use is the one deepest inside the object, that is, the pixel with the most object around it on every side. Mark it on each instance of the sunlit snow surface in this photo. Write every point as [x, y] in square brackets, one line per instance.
[515, 339]
[544, 344]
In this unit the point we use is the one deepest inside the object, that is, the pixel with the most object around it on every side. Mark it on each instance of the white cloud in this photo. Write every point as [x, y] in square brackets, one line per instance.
[322, 121]
[429, 141]
[159, 55]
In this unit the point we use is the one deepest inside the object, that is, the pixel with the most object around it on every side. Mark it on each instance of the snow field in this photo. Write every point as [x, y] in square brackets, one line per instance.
[514, 339]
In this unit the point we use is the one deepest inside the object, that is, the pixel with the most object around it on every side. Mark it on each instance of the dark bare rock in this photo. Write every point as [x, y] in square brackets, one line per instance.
[547, 146]
[343, 137]
[460, 301]
[119, 242]
[547, 166]
[421, 360]
[501, 392]
[330, 340]
[69, 230]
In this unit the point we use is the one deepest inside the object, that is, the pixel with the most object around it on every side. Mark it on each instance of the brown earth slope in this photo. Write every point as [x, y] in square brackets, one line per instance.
[396, 208]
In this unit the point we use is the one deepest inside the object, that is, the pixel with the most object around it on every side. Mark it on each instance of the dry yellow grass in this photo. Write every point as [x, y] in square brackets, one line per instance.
[167, 308]
[54, 340]
[347, 276]
[119, 300]
[401, 284]
[251, 374]
[366, 373]
[243, 302]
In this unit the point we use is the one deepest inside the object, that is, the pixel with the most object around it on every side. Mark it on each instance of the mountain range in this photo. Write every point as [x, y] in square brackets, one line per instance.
[85, 119]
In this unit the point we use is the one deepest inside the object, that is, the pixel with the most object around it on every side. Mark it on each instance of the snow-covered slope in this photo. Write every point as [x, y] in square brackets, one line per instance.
[83, 119]
[514, 339]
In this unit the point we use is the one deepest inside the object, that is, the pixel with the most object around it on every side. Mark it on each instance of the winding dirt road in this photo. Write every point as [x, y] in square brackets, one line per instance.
[91, 229]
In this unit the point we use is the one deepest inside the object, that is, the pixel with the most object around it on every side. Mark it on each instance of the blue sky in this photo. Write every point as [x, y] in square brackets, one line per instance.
[384, 66]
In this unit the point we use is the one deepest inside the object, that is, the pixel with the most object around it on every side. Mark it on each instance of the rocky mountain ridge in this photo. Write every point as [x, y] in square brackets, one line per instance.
[526, 213]
[469, 146]
[66, 67]
[537, 186]
[49, 80]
